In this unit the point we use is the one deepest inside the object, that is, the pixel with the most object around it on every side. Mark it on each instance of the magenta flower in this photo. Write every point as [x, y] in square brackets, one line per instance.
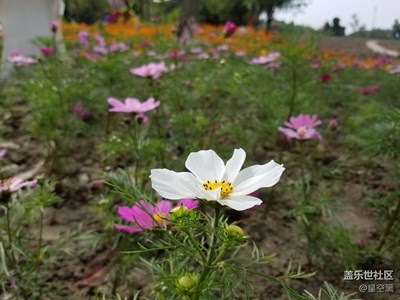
[83, 36]
[326, 77]
[369, 89]
[99, 40]
[14, 184]
[301, 127]
[81, 111]
[229, 28]
[132, 105]
[3, 153]
[46, 51]
[54, 25]
[144, 216]
[146, 44]
[153, 70]
[264, 59]
[176, 54]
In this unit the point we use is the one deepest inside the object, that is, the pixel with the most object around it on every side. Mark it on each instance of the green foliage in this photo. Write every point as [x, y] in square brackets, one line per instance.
[86, 11]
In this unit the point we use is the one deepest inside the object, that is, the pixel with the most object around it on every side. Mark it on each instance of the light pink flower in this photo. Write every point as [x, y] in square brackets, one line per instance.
[395, 70]
[46, 51]
[222, 47]
[144, 216]
[99, 40]
[54, 25]
[196, 50]
[132, 105]
[369, 89]
[240, 53]
[118, 46]
[229, 28]
[264, 59]
[3, 153]
[83, 36]
[333, 123]
[100, 49]
[301, 127]
[316, 63]
[153, 70]
[92, 56]
[14, 184]
[21, 60]
[339, 67]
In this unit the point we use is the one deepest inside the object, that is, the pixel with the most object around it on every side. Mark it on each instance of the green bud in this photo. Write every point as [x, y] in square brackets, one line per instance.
[178, 211]
[235, 231]
[186, 282]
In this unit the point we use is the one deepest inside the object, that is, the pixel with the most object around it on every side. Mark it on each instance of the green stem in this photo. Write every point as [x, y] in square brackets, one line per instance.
[9, 234]
[210, 255]
[294, 90]
[389, 226]
[195, 244]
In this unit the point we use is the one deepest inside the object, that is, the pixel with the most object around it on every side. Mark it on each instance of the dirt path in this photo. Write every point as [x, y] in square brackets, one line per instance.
[358, 46]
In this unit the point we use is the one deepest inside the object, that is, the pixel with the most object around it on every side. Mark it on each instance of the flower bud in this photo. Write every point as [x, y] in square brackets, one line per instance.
[186, 282]
[235, 231]
[178, 211]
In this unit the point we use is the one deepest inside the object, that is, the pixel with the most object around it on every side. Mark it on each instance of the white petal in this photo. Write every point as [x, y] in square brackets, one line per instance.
[205, 165]
[173, 185]
[234, 165]
[256, 177]
[240, 202]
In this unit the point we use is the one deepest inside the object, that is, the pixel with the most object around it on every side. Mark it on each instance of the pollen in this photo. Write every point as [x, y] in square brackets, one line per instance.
[226, 187]
[159, 218]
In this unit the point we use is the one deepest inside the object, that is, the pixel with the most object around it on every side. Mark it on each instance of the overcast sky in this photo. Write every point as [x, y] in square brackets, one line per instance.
[371, 13]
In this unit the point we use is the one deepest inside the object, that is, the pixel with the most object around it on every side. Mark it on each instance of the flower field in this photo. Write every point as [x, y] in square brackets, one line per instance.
[237, 165]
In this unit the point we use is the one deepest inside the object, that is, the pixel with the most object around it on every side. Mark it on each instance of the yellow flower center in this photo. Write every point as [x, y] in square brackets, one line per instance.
[6, 182]
[159, 218]
[302, 130]
[226, 187]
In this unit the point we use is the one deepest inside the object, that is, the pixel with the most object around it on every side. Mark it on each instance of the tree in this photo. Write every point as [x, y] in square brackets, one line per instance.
[270, 6]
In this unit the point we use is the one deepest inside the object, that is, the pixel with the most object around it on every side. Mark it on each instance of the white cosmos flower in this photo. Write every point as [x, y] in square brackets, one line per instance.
[212, 180]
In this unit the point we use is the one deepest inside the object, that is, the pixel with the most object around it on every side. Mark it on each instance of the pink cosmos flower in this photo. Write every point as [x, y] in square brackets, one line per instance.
[222, 47]
[132, 105]
[81, 111]
[395, 70]
[46, 51]
[176, 54]
[315, 64]
[3, 153]
[100, 49]
[339, 67]
[144, 216]
[369, 89]
[264, 59]
[92, 56]
[83, 36]
[229, 29]
[326, 77]
[146, 44]
[333, 123]
[118, 46]
[274, 66]
[240, 53]
[99, 40]
[153, 70]
[54, 25]
[196, 50]
[301, 127]
[21, 60]
[14, 184]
